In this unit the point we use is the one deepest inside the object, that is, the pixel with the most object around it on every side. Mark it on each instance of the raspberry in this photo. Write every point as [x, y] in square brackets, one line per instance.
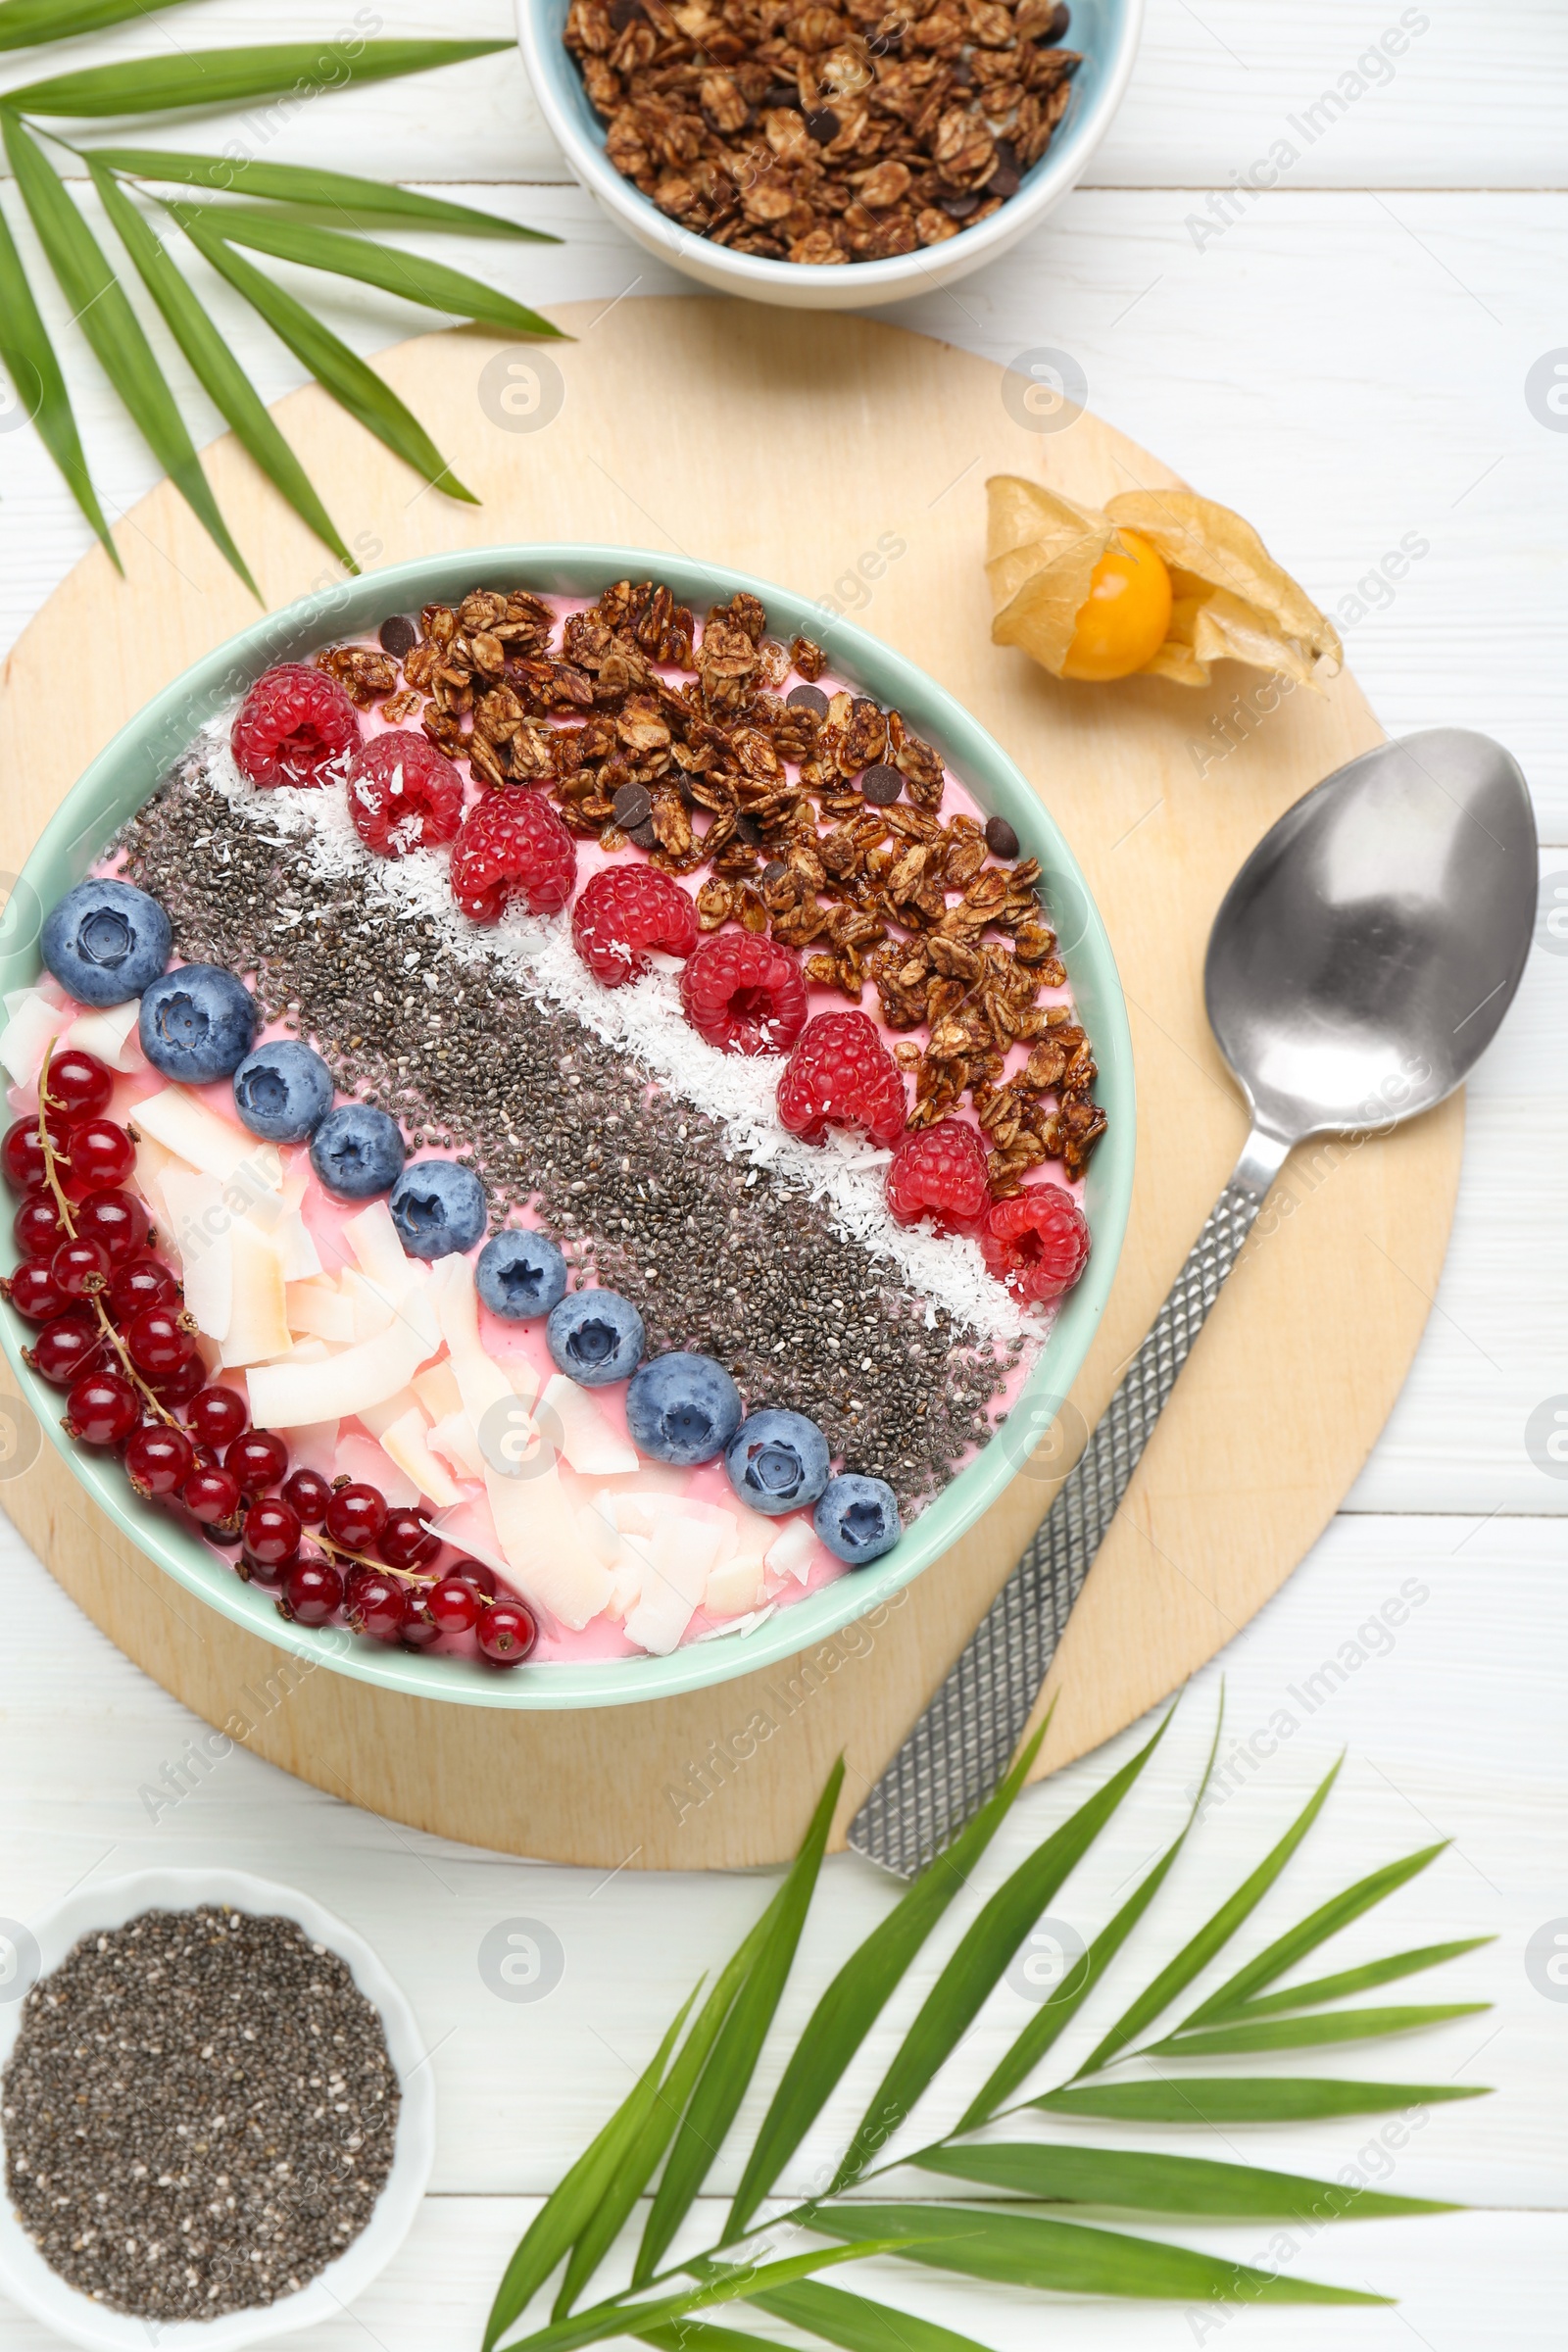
[512, 849]
[403, 793]
[840, 1074]
[744, 994]
[295, 727]
[940, 1173]
[1037, 1243]
[623, 912]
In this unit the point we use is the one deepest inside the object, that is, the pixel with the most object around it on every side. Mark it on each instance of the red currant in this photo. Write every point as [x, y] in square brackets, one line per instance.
[258, 1460]
[272, 1533]
[507, 1633]
[420, 1632]
[21, 1154]
[377, 1604]
[218, 1415]
[159, 1459]
[102, 1409]
[141, 1283]
[455, 1605]
[313, 1592]
[119, 1220]
[34, 1293]
[102, 1155]
[38, 1225]
[158, 1342]
[66, 1350]
[309, 1493]
[79, 1268]
[356, 1516]
[212, 1495]
[477, 1574]
[405, 1541]
[78, 1083]
[180, 1386]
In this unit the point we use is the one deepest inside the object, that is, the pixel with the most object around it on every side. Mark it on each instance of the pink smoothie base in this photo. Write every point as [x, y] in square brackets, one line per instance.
[468, 1527]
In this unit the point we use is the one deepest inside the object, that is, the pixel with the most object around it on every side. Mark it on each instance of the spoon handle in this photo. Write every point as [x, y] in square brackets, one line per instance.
[963, 1742]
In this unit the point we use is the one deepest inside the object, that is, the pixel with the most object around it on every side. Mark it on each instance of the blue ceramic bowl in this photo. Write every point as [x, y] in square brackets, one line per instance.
[1104, 31]
[122, 776]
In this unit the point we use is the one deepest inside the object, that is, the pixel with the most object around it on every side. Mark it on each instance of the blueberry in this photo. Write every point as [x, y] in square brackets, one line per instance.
[357, 1152]
[520, 1274]
[777, 1462]
[197, 1023]
[682, 1409]
[857, 1518]
[438, 1207]
[105, 941]
[595, 1337]
[282, 1092]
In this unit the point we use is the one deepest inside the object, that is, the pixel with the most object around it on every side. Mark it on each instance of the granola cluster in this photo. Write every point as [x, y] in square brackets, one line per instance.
[822, 134]
[818, 817]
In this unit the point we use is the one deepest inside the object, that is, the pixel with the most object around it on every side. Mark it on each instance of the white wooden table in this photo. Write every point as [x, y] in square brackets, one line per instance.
[1345, 363]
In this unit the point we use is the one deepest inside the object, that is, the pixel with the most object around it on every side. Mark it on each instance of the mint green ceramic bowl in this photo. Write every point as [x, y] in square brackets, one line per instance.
[122, 776]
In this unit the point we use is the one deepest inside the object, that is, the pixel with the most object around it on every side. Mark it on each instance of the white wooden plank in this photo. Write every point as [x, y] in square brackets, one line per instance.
[1320, 368]
[1470, 101]
[1454, 1727]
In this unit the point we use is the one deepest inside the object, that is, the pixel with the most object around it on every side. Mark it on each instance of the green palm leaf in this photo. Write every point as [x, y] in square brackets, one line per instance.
[34, 371]
[858, 2324]
[738, 2045]
[214, 365]
[27, 22]
[353, 384]
[1196, 1955]
[966, 1982]
[408, 275]
[219, 77]
[99, 305]
[571, 2206]
[1304, 2032]
[1326, 1921]
[1139, 2180]
[1067, 2257]
[731, 2284]
[338, 192]
[1240, 2099]
[1363, 1980]
[1052, 2016]
[857, 1995]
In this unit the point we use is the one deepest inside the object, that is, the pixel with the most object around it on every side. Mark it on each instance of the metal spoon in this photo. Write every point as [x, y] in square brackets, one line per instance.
[1358, 965]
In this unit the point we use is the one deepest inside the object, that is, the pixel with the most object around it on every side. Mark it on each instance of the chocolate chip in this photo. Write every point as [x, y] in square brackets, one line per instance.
[633, 806]
[1001, 839]
[806, 698]
[774, 869]
[823, 125]
[881, 785]
[642, 835]
[748, 829]
[786, 94]
[624, 13]
[1003, 182]
[959, 207]
[961, 74]
[399, 636]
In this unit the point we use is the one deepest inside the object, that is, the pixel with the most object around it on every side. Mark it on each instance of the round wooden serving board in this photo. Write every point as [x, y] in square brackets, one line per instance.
[846, 460]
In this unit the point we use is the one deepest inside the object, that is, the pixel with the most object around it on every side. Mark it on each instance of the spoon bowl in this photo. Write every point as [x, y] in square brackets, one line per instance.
[1365, 954]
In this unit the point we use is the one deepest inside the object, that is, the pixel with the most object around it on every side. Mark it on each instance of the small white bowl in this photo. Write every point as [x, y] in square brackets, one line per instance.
[1105, 31]
[24, 2275]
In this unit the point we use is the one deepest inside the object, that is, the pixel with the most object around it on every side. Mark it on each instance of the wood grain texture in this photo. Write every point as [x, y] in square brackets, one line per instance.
[812, 444]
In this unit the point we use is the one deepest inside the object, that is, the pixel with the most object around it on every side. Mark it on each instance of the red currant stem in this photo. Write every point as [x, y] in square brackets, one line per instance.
[357, 1559]
[45, 1101]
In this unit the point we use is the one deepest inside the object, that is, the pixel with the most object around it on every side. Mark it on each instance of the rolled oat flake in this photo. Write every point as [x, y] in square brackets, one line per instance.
[199, 2113]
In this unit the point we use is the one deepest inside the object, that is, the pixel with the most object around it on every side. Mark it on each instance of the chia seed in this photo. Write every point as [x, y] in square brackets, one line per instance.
[638, 1187]
[199, 2114]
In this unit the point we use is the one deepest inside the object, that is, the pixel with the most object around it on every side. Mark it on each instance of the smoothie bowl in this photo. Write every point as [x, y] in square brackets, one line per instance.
[571, 1123]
